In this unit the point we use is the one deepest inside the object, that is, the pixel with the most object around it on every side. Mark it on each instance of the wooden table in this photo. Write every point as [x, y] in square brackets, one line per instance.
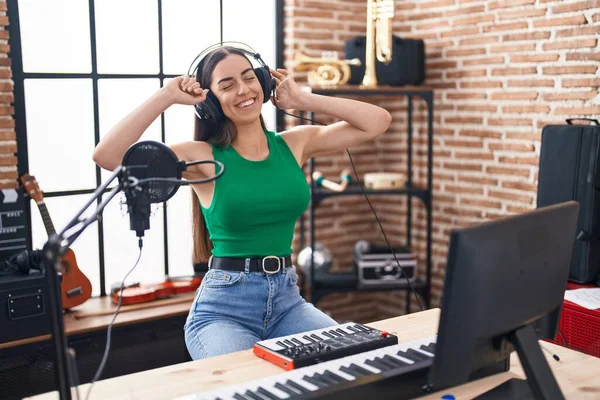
[85, 318]
[578, 374]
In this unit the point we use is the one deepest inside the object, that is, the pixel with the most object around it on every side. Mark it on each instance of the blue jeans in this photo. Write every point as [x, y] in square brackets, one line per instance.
[233, 310]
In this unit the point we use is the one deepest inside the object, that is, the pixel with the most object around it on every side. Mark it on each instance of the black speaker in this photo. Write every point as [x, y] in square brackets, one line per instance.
[23, 306]
[569, 169]
[407, 66]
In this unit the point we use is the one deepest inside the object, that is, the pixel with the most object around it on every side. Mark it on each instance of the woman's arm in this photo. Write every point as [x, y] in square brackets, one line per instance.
[360, 121]
[109, 153]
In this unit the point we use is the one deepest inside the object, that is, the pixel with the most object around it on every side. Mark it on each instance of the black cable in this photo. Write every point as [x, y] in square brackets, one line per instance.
[563, 338]
[370, 205]
[109, 330]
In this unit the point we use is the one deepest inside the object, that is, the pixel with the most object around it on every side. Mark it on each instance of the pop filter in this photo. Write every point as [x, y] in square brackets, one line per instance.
[150, 159]
[153, 175]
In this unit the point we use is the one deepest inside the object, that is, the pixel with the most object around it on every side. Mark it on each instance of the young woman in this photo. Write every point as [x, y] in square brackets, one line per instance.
[244, 221]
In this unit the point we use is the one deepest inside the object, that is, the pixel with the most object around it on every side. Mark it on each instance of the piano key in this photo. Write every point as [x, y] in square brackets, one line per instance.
[417, 353]
[425, 352]
[362, 370]
[407, 356]
[377, 364]
[351, 371]
[325, 379]
[267, 384]
[238, 396]
[353, 329]
[265, 393]
[287, 389]
[308, 338]
[297, 386]
[298, 379]
[394, 360]
[428, 347]
[338, 370]
[298, 342]
[314, 381]
[252, 396]
[337, 376]
[329, 335]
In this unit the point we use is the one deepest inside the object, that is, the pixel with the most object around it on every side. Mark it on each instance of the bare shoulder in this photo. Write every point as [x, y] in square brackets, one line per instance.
[296, 139]
[192, 150]
[195, 151]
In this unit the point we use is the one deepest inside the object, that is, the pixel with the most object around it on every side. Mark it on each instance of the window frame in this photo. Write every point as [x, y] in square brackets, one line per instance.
[19, 77]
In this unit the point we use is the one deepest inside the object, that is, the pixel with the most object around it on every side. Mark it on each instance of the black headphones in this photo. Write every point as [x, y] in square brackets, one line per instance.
[210, 109]
[23, 262]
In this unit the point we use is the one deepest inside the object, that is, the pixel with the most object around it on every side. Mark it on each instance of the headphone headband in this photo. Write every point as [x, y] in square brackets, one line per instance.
[237, 45]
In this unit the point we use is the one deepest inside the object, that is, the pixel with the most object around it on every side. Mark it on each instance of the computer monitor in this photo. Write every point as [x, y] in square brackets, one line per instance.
[504, 278]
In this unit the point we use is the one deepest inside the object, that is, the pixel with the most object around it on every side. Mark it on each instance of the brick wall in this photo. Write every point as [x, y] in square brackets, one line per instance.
[501, 70]
[8, 144]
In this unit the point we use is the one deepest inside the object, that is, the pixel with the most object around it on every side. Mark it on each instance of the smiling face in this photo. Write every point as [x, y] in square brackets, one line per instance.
[237, 88]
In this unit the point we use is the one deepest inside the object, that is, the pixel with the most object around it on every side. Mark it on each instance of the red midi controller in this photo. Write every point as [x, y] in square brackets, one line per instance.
[313, 347]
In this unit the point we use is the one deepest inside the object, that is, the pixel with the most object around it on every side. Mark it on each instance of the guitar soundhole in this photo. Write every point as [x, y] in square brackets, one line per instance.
[66, 266]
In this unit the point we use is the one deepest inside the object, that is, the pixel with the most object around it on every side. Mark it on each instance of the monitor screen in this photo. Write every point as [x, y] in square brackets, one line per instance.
[501, 275]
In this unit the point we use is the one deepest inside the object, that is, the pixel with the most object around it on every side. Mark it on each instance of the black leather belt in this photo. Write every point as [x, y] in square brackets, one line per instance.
[268, 264]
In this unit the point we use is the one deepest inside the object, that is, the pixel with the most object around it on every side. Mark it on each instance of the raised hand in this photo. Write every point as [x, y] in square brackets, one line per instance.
[185, 90]
[287, 91]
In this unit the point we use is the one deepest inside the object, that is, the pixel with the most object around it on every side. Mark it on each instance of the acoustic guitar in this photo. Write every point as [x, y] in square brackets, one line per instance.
[75, 286]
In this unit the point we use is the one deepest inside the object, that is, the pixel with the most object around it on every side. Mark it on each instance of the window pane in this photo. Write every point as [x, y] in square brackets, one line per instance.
[118, 98]
[62, 210]
[60, 133]
[127, 36]
[55, 35]
[121, 246]
[261, 37]
[183, 40]
[179, 221]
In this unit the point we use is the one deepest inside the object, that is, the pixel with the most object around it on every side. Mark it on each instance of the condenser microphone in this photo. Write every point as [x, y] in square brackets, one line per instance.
[152, 174]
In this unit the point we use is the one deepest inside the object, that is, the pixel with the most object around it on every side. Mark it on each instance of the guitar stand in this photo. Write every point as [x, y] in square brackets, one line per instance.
[57, 244]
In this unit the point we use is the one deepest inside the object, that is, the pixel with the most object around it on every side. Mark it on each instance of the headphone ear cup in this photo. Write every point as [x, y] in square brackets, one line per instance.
[210, 108]
[20, 262]
[266, 82]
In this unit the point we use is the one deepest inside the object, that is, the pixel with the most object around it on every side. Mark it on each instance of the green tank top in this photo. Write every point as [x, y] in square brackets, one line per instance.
[256, 204]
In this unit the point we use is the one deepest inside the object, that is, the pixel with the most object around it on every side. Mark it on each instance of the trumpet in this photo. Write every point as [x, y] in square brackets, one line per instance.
[379, 37]
[324, 71]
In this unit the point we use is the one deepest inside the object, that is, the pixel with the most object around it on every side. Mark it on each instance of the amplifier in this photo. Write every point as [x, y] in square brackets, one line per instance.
[23, 306]
[407, 66]
[376, 266]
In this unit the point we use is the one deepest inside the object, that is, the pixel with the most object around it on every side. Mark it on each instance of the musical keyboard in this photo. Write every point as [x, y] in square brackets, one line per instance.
[395, 372]
[312, 347]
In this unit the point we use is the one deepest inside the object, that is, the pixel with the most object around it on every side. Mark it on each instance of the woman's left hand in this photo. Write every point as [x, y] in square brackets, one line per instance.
[287, 92]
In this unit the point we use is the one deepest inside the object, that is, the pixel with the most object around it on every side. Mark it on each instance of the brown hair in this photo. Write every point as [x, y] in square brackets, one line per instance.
[218, 133]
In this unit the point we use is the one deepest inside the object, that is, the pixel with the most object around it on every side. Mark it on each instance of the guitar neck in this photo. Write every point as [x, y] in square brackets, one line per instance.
[46, 218]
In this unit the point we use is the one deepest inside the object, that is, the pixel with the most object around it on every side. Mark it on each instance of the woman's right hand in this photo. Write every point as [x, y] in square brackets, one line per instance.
[185, 90]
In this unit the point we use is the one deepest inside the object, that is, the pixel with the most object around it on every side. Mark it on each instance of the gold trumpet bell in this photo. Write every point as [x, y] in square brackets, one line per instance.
[325, 71]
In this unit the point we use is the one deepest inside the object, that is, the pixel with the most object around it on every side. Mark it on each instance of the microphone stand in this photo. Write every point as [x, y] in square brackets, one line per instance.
[53, 250]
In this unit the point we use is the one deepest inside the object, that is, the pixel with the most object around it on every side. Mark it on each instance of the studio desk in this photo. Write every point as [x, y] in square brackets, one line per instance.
[577, 374]
[144, 336]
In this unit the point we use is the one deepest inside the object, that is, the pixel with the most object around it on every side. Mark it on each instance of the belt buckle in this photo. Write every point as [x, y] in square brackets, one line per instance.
[269, 271]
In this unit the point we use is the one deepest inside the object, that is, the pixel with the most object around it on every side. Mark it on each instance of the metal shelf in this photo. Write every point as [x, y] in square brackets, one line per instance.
[347, 281]
[319, 194]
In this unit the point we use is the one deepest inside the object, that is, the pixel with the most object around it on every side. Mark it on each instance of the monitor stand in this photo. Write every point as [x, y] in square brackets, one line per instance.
[540, 383]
